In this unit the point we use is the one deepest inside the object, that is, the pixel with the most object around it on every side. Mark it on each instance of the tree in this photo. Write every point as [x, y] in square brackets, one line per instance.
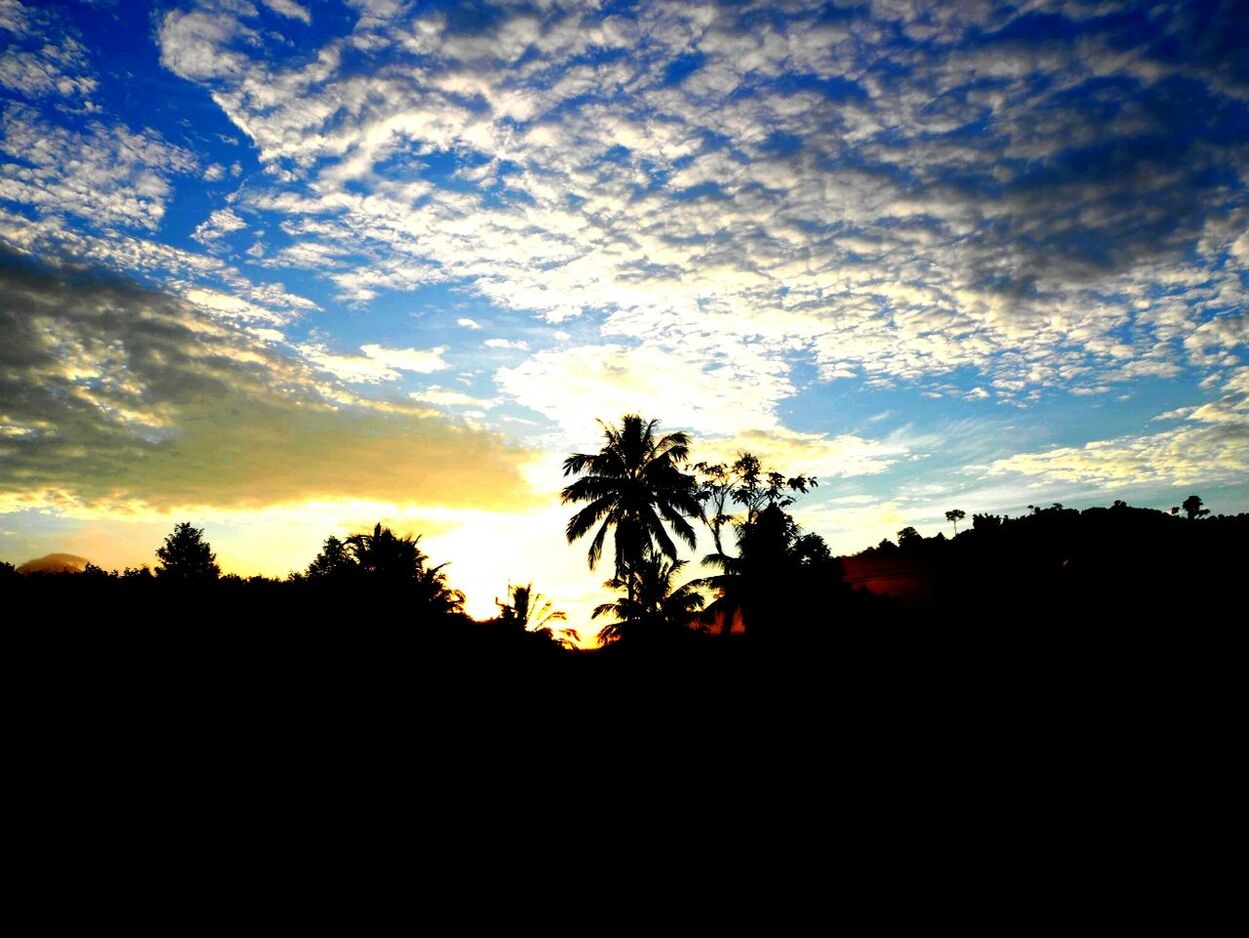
[632, 486]
[527, 610]
[781, 581]
[185, 555]
[334, 561]
[653, 603]
[909, 538]
[385, 557]
[956, 515]
[748, 484]
[986, 522]
[1192, 507]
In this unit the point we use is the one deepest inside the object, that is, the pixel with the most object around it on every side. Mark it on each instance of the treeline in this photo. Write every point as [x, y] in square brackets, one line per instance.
[773, 587]
[1099, 567]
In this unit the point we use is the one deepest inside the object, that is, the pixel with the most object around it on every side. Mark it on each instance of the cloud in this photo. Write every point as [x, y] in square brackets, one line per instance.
[42, 57]
[576, 386]
[126, 400]
[378, 363]
[467, 323]
[1211, 446]
[809, 454]
[1013, 201]
[220, 223]
[507, 343]
[291, 9]
[106, 173]
[441, 397]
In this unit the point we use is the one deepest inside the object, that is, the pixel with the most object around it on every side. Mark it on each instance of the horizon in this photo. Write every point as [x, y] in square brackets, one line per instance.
[289, 269]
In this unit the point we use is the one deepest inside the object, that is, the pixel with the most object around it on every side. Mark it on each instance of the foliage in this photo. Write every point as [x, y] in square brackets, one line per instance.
[383, 560]
[527, 610]
[909, 538]
[632, 485]
[955, 515]
[186, 556]
[748, 485]
[334, 561]
[1193, 507]
[985, 522]
[651, 602]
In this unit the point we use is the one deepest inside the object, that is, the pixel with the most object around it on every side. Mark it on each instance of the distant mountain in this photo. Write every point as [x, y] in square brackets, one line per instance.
[55, 563]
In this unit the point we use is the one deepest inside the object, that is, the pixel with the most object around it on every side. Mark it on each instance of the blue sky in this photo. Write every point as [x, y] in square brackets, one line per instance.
[299, 265]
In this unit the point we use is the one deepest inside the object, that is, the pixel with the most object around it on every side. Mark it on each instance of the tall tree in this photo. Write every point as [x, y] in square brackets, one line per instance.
[956, 515]
[634, 488]
[748, 485]
[1192, 507]
[185, 555]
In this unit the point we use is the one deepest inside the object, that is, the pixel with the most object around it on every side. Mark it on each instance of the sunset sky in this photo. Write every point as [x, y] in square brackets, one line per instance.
[285, 269]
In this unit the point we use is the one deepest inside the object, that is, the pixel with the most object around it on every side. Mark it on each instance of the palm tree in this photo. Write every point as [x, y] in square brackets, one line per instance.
[387, 557]
[528, 611]
[389, 561]
[652, 599]
[633, 485]
[532, 612]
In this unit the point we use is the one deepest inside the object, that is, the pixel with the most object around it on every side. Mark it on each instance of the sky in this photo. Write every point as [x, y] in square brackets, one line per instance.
[287, 268]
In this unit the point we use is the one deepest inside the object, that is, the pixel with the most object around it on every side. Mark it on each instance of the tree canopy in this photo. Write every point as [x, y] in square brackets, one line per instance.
[185, 555]
[636, 489]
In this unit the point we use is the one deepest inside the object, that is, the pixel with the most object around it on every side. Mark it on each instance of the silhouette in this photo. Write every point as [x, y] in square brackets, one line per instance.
[956, 515]
[781, 584]
[747, 484]
[527, 610]
[1055, 585]
[186, 556]
[909, 539]
[334, 562]
[1192, 507]
[653, 606]
[633, 486]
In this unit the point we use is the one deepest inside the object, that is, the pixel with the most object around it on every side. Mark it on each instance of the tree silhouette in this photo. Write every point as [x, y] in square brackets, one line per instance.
[909, 538]
[334, 561]
[388, 562]
[956, 515]
[385, 557]
[653, 603]
[633, 485]
[748, 484]
[780, 580]
[185, 555]
[527, 610]
[1192, 507]
[986, 522]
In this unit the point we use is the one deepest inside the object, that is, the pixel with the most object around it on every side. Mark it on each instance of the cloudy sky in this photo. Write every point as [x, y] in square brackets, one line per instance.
[285, 268]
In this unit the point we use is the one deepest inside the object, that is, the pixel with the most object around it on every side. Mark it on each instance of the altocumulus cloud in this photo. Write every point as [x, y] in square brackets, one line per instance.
[1015, 192]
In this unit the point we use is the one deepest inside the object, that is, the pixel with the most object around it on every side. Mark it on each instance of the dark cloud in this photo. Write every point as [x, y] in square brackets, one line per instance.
[114, 394]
